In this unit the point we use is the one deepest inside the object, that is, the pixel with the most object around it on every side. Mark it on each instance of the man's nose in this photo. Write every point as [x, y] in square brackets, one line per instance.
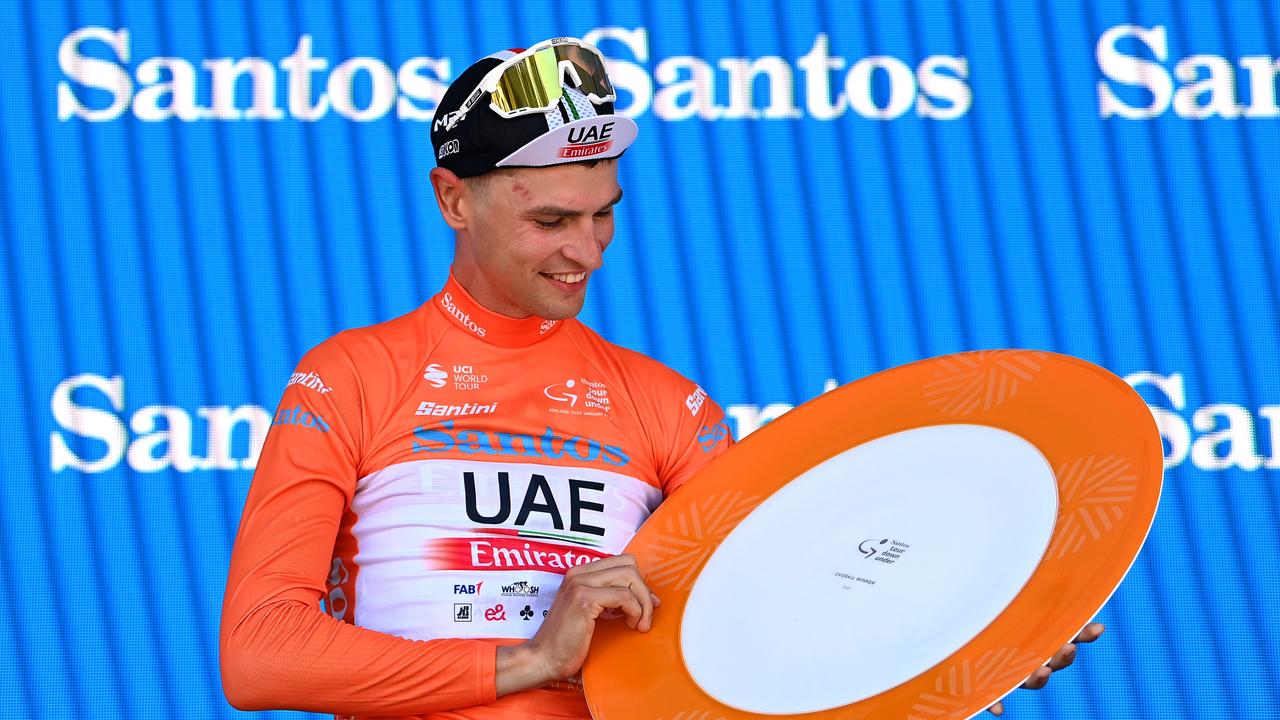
[585, 246]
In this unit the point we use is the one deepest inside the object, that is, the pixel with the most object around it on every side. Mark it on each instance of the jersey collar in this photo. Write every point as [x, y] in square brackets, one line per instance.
[480, 322]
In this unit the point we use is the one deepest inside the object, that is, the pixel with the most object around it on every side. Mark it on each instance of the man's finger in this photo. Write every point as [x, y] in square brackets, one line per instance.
[1091, 632]
[997, 709]
[1037, 679]
[621, 599]
[1063, 658]
[625, 577]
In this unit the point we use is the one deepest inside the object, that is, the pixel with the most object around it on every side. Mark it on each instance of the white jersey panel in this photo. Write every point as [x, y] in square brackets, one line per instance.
[476, 549]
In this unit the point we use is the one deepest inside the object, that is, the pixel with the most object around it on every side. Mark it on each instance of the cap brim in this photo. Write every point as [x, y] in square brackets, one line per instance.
[591, 138]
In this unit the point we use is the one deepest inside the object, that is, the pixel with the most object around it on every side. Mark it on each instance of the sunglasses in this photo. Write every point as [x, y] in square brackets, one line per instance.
[533, 80]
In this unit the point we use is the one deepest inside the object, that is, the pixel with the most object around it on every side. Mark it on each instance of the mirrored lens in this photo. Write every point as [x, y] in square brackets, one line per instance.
[529, 84]
[591, 72]
[535, 83]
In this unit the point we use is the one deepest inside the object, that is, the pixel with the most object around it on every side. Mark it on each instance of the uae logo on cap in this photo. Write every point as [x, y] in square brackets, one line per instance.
[588, 140]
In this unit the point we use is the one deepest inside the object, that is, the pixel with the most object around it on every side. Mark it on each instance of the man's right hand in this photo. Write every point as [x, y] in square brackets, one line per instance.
[603, 589]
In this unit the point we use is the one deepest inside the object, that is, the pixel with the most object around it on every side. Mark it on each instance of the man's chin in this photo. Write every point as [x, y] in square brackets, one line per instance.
[560, 314]
[562, 309]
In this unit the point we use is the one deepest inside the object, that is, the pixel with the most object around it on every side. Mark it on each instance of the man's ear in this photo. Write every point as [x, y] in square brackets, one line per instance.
[452, 196]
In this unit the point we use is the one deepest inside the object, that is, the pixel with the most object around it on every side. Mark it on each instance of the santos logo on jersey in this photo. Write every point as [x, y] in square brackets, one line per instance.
[548, 445]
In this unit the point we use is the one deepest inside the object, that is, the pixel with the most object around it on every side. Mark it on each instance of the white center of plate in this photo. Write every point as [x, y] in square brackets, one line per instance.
[869, 569]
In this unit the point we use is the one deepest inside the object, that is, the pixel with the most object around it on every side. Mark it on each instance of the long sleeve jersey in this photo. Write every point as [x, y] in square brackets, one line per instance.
[424, 487]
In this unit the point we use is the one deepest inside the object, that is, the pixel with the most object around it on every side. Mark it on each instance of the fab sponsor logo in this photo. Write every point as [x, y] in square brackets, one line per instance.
[467, 588]
[550, 444]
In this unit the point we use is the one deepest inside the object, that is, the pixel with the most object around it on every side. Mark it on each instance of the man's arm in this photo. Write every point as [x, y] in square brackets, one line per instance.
[278, 650]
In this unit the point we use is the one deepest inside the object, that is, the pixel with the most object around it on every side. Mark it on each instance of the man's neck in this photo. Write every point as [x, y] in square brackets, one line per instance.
[470, 315]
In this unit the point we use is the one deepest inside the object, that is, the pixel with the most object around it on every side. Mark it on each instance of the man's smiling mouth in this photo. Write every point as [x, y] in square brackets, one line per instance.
[567, 278]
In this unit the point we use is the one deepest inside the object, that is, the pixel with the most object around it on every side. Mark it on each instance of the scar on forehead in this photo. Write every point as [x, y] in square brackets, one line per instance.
[518, 188]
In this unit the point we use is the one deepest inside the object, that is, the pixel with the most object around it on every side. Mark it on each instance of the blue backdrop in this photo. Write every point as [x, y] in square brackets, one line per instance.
[191, 195]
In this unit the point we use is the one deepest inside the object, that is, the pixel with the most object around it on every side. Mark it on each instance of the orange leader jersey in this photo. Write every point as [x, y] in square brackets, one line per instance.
[431, 479]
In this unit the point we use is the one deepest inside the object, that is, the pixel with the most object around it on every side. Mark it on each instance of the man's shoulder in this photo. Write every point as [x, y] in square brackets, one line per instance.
[380, 344]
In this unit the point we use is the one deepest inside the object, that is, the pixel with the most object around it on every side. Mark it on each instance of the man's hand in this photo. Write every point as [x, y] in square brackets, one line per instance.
[606, 588]
[1063, 658]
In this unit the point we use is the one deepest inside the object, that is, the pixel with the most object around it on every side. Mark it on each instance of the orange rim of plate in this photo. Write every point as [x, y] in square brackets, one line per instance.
[1101, 442]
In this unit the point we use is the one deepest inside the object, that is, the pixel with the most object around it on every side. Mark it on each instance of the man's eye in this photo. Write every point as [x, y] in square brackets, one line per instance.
[605, 213]
[548, 224]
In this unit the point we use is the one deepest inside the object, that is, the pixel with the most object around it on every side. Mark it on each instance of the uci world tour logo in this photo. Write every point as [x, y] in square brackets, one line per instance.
[435, 375]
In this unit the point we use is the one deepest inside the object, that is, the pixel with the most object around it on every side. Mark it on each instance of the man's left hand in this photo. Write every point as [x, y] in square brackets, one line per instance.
[1063, 658]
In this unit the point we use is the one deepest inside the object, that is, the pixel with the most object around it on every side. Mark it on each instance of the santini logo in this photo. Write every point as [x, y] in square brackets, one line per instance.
[426, 407]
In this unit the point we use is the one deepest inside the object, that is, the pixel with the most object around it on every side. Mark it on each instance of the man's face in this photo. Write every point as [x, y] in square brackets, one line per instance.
[533, 237]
